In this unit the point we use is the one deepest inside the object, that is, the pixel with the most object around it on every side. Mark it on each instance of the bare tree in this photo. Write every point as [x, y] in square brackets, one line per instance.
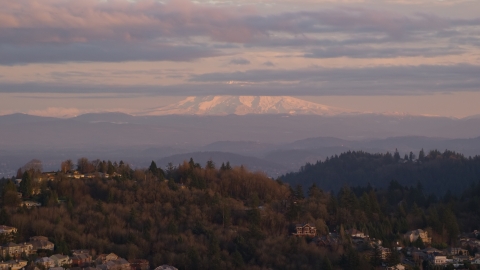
[66, 165]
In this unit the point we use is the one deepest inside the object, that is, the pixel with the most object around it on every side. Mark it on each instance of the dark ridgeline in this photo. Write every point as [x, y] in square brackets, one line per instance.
[438, 172]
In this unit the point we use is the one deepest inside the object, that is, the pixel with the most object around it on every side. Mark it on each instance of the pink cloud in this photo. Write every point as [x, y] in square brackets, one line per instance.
[79, 21]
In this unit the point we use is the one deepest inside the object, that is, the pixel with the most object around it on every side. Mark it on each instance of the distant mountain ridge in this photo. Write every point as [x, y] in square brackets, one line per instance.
[242, 105]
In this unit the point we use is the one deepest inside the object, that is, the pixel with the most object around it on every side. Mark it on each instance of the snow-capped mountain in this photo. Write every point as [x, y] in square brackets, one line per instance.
[241, 105]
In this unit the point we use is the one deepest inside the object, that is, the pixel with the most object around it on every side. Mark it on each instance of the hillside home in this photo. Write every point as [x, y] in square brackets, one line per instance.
[7, 230]
[15, 250]
[438, 259]
[139, 264]
[119, 264]
[103, 258]
[412, 236]
[305, 229]
[61, 260]
[45, 262]
[354, 233]
[40, 242]
[12, 265]
[81, 259]
[166, 267]
[30, 204]
[457, 251]
[396, 267]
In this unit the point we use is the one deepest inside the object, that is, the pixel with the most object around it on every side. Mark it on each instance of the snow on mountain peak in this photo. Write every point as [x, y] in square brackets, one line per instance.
[241, 105]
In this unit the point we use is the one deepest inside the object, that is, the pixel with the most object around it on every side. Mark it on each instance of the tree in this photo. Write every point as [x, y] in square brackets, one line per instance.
[393, 258]
[66, 166]
[396, 155]
[83, 165]
[153, 168]
[376, 259]
[299, 192]
[210, 165]
[421, 155]
[26, 186]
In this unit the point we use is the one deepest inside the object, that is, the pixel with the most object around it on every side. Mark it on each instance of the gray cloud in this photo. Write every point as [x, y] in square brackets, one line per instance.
[269, 64]
[102, 52]
[382, 80]
[371, 52]
[112, 31]
[239, 61]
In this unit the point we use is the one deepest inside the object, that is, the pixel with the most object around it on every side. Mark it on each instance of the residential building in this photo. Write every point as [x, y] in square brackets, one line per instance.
[412, 236]
[305, 229]
[40, 242]
[46, 262]
[15, 250]
[61, 260]
[166, 267]
[396, 267]
[438, 259]
[457, 251]
[103, 258]
[7, 230]
[354, 233]
[16, 264]
[118, 264]
[30, 204]
[81, 259]
[80, 251]
[139, 264]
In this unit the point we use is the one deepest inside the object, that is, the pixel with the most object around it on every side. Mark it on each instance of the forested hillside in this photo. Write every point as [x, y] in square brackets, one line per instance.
[437, 172]
[196, 217]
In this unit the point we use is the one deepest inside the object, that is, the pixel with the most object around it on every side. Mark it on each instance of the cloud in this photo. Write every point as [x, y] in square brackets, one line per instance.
[52, 31]
[239, 61]
[269, 64]
[102, 52]
[379, 80]
[372, 52]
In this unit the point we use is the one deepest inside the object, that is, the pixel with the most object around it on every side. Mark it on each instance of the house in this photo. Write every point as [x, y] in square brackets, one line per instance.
[438, 259]
[16, 264]
[354, 233]
[15, 250]
[103, 258]
[30, 204]
[61, 260]
[81, 259]
[412, 236]
[80, 251]
[166, 267]
[118, 264]
[431, 251]
[45, 262]
[139, 264]
[40, 242]
[305, 229]
[385, 252]
[7, 230]
[457, 251]
[396, 267]
[476, 260]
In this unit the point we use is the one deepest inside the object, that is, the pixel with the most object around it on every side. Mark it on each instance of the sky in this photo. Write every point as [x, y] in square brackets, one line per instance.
[67, 57]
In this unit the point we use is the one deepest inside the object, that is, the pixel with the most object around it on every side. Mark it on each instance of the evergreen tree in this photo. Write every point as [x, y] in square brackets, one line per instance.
[26, 186]
[396, 155]
[153, 168]
[421, 155]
